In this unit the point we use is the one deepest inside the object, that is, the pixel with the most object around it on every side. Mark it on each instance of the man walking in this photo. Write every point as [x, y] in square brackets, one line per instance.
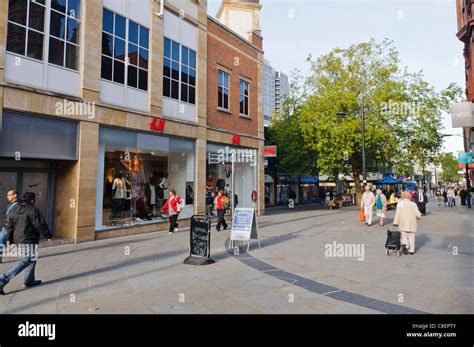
[25, 224]
[406, 220]
[367, 204]
[421, 200]
[12, 197]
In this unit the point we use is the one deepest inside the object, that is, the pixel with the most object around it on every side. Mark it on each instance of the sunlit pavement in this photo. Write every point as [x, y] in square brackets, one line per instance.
[291, 273]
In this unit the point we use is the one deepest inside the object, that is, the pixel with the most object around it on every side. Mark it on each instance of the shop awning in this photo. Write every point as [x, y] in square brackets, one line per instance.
[388, 180]
[308, 179]
[305, 179]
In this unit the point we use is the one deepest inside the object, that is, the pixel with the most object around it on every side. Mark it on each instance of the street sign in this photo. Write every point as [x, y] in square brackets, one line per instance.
[269, 151]
[244, 227]
[199, 242]
[465, 158]
[462, 114]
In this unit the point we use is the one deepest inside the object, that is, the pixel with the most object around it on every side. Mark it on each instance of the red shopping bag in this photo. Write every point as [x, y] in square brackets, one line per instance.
[362, 216]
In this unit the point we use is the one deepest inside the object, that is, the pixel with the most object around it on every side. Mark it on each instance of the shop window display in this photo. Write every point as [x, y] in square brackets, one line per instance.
[136, 186]
[136, 173]
[220, 176]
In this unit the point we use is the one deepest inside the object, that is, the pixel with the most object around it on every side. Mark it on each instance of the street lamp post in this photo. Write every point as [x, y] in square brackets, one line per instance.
[364, 173]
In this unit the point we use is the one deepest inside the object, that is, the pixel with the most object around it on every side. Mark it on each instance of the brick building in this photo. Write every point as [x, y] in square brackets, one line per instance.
[104, 108]
[234, 105]
[465, 26]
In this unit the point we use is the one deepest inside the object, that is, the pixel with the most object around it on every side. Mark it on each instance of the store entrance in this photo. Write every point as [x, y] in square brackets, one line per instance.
[37, 179]
[220, 176]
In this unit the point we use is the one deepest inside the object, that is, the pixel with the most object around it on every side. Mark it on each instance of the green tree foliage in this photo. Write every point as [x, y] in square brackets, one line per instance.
[450, 166]
[294, 154]
[322, 116]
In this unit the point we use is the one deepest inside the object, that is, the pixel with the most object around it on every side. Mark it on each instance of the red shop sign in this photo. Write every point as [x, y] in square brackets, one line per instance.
[157, 124]
[236, 139]
[269, 151]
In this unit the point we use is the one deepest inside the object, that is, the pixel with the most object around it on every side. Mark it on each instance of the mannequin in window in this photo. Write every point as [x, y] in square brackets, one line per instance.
[118, 194]
[128, 191]
[151, 193]
[165, 185]
[210, 184]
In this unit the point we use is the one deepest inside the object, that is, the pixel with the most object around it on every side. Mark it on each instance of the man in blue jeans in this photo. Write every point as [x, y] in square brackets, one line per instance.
[12, 197]
[25, 224]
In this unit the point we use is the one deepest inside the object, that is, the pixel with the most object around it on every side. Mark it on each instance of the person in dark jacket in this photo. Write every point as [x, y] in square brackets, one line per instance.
[25, 224]
[421, 200]
[462, 195]
[12, 197]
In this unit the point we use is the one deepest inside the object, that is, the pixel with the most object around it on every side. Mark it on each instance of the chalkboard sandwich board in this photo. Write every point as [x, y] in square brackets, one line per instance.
[199, 242]
[244, 227]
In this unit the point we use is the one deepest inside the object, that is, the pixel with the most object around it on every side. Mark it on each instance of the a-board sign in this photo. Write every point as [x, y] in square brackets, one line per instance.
[199, 241]
[199, 237]
[244, 226]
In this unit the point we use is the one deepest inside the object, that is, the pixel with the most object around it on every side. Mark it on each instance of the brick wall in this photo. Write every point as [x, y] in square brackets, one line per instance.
[241, 59]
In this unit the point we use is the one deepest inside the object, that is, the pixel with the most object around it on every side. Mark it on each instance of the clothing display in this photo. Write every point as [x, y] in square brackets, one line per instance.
[118, 187]
[164, 184]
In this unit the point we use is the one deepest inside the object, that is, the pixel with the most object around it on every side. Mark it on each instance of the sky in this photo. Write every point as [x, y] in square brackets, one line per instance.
[424, 32]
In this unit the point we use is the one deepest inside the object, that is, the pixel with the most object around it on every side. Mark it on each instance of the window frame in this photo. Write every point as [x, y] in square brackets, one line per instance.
[126, 61]
[27, 28]
[246, 97]
[224, 88]
[46, 33]
[170, 79]
[64, 41]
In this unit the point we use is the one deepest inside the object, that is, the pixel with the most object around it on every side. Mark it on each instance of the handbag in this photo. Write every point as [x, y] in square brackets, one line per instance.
[179, 205]
[362, 216]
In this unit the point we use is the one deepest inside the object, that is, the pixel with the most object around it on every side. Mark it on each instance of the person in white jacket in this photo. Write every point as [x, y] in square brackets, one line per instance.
[367, 204]
[406, 219]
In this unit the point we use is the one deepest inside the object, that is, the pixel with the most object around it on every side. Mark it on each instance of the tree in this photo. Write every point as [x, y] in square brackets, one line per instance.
[402, 111]
[294, 154]
[450, 166]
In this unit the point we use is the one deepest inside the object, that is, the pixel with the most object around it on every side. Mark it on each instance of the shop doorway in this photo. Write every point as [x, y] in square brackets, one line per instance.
[36, 180]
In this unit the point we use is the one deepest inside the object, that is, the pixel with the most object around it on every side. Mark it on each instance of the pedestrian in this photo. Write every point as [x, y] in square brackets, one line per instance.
[380, 206]
[367, 204]
[451, 197]
[25, 224]
[445, 197]
[462, 195]
[421, 199]
[406, 219]
[12, 197]
[393, 198]
[173, 206]
[292, 195]
[439, 196]
[221, 203]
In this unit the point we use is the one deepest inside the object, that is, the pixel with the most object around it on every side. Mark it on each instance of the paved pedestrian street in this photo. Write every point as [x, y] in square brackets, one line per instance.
[303, 267]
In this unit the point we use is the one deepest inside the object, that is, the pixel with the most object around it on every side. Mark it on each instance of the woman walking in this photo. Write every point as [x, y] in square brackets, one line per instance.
[173, 206]
[380, 206]
[451, 197]
[439, 197]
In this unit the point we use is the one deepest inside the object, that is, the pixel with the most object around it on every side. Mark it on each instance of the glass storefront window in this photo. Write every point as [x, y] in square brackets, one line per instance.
[136, 173]
[237, 179]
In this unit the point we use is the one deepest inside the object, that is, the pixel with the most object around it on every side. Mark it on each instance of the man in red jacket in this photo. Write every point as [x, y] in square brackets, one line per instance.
[173, 206]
